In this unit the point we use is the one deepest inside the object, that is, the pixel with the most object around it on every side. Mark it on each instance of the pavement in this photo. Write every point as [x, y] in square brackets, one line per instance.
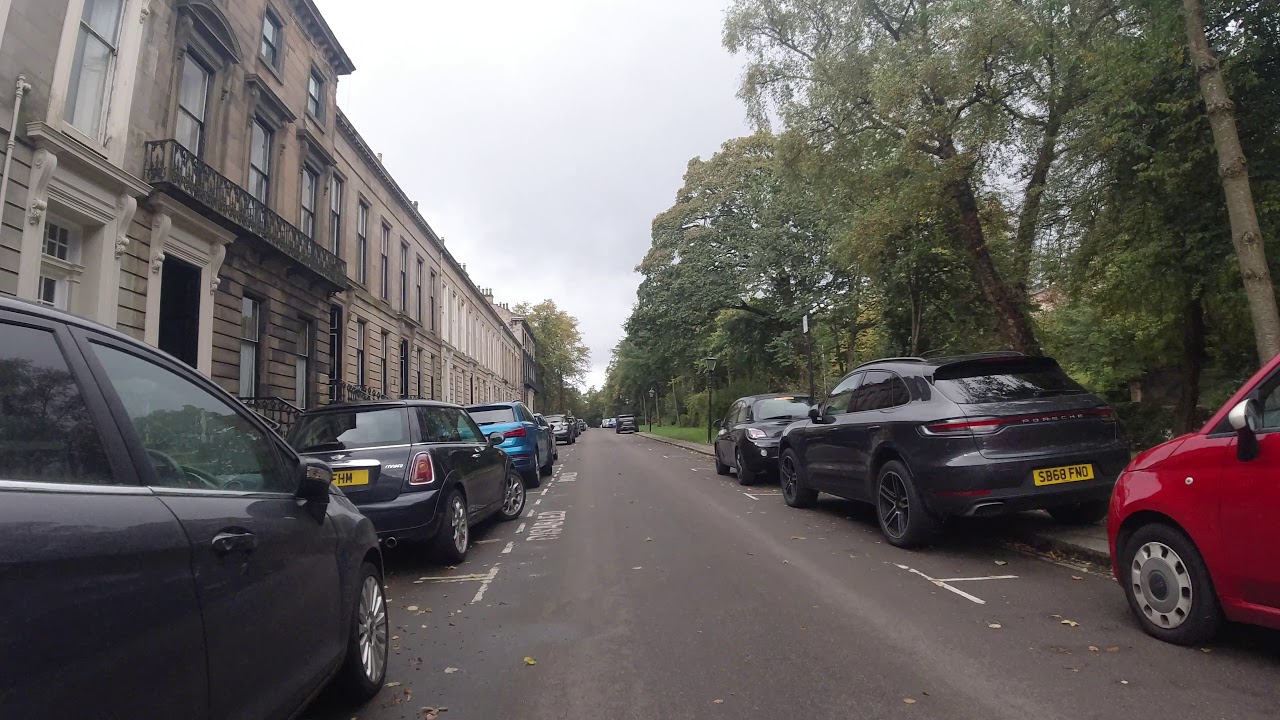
[640, 585]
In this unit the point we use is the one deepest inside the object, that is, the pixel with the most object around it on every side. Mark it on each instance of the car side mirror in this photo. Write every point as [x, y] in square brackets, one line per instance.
[1246, 419]
[315, 479]
[815, 414]
[496, 439]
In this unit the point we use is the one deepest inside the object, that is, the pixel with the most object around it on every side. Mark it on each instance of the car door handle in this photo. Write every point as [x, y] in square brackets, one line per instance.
[230, 541]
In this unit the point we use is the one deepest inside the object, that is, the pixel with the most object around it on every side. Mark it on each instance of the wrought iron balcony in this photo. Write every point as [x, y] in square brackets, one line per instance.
[343, 391]
[174, 167]
[280, 413]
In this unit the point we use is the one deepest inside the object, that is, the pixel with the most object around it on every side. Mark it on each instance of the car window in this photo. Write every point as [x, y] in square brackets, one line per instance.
[351, 429]
[46, 434]
[1270, 399]
[731, 416]
[1004, 380]
[879, 391]
[467, 429]
[493, 414]
[781, 408]
[447, 425]
[838, 402]
[194, 438]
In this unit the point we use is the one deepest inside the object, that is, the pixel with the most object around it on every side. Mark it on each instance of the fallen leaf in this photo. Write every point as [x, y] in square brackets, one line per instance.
[648, 539]
[530, 661]
[417, 582]
[392, 684]
[1060, 650]
[1093, 648]
[1002, 562]
[1071, 623]
[797, 537]
[1124, 682]
[412, 608]
[994, 626]
[450, 670]
[718, 701]
[395, 637]
[1076, 577]
[638, 567]
[1113, 649]
[1206, 650]
[909, 701]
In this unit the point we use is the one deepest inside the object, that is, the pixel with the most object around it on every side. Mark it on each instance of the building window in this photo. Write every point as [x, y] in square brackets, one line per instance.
[315, 95]
[360, 333]
[431, 289]
[271, 36]
[193, 98]
[385, 267]
[417, 292]
[362, 244]
[53, 292]
[421, 394]
[60, 242]
[382, 361]
[404, 368]
[404, 277]
[302, 364]
[94, 66]
[260, 161]
[249, 310]
[335, 215]
[310, 184]
[335, 349]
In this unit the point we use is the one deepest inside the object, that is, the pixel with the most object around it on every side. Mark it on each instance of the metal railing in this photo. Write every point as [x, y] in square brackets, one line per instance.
[281, 413]
[169, 163]
[343, 391]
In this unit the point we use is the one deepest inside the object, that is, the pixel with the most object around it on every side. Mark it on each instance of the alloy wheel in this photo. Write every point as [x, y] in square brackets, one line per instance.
[458, 520]
[372, 620]
[1161, 585]
[893, 505]
[788, 469]
[514, 498]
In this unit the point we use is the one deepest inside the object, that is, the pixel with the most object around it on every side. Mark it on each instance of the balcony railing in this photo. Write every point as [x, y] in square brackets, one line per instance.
[170, 164]
[280, 413]
[343, 391]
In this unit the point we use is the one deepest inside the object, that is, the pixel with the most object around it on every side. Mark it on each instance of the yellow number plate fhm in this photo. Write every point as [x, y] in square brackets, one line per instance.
[347, 478]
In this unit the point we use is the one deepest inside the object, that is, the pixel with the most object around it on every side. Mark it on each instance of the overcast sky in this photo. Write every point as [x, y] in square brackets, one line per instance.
[541, 138]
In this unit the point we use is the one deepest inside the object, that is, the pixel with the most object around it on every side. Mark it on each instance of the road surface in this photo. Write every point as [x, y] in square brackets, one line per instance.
[645, 587]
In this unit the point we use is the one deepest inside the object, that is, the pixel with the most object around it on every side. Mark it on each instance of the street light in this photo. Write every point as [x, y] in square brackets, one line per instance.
[711, 367]
[654, 402]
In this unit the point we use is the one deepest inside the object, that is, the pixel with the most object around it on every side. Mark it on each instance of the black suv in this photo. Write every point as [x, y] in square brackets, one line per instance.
[626, 423]
[975, 435]
[420, 470]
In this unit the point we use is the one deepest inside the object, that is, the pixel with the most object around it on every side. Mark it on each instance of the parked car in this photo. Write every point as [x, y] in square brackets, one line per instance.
[626, 423]
[607, 422]
[420, 470]
[563, 431]
[748, 435]
[573, 426]
[166, 554]
[1194, 522]
[582, 426]
[531, 447]
[975, 435]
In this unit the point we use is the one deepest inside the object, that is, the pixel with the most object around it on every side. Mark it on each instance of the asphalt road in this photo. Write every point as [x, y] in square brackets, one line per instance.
[647, 587]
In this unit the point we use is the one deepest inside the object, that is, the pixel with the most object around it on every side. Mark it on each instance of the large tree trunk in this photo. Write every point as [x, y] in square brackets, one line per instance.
[1246, 235]
[1032, 198]
[1193, 359]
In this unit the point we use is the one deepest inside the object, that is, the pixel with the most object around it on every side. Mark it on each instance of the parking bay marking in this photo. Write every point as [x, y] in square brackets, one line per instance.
[509, 547]
[758, 495]
[568, 477]
[548, 526]
[944, 582]
[484, 584]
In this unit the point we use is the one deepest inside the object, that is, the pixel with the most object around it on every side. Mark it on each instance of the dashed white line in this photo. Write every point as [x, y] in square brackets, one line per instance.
[509, 547]
[544, 491]
[484, 585]
[537, 502]
[986, 577]
[520, 529]
[530, 513]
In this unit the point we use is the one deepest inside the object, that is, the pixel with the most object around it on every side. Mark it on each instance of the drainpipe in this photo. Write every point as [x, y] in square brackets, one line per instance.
[23, 87]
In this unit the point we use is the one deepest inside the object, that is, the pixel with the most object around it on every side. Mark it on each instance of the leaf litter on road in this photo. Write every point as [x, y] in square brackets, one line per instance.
[994, 626]
[450, 670]
[529, 661]
[1071, 623]
[909, 701]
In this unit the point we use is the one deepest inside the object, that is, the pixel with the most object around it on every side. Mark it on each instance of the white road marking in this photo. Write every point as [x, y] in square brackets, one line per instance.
[753, 497]
[509, 547]
[758, 495]
[520, 529]
[484, 585]
[569, 477]
[988, 577]
[529, 514]
[537, 502]
[943, 584]
[544, 490]
[548, 526]
[454, 578]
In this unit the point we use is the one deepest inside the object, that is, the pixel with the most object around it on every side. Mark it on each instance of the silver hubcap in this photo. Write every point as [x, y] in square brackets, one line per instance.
[893, 505]
[1161, 585]
[515, 495]
[459, 521]
[373, 629]
[788, 478]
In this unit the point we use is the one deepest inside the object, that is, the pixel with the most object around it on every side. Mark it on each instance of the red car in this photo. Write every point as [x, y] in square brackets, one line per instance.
[1194, 524]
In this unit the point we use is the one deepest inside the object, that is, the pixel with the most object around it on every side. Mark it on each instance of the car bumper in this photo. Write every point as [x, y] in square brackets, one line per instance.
[978, 486]
[411, 516]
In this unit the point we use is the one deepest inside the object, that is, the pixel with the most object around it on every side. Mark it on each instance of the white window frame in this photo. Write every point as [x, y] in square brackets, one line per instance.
[361, 331]
[336, 188]
[250, 347]
[307, 203]
[302, 364]
[316, 99]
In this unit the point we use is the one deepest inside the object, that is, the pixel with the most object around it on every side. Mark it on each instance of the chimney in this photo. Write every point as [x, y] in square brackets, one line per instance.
[379, 158]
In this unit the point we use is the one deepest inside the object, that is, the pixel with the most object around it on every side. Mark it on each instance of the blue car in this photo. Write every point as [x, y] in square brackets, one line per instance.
[531, 447]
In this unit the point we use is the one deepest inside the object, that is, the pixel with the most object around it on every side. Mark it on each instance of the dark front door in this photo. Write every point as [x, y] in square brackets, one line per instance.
[180, 310]
[822, 454]
[265, 564]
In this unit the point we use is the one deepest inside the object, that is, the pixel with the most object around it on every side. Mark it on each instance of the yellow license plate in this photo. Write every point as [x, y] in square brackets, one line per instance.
[347, 478]
[1065, 474]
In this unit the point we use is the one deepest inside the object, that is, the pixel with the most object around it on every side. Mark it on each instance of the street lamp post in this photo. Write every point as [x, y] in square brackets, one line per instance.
[654, 402]
[711, 367]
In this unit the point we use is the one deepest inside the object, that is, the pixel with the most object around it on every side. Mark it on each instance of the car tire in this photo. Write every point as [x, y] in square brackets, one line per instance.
[513, 496]
[794, 491]
[1085, 513]
[721, 468]
[545, 470]
[1169, 565]
[452, 543]
[369, 632]
[745, 476]
[904, 520]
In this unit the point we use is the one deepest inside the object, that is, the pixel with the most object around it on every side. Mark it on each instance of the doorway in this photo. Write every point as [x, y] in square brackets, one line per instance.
[180, 310]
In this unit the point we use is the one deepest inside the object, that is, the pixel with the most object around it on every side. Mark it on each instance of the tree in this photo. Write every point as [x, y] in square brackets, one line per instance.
[561, 356]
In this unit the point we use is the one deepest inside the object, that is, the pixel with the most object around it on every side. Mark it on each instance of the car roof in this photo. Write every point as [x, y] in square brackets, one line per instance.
[922, 364]
[28, 307]
[372, 404]
[770, 396]
[504, 403]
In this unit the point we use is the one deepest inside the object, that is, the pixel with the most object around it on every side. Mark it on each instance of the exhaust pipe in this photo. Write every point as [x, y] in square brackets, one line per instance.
[390, 543]
[986, 509]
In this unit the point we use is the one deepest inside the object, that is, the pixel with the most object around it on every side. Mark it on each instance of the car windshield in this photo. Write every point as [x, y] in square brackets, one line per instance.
[493, 414]
[1004, 381]
[351, 429]
[781, 408]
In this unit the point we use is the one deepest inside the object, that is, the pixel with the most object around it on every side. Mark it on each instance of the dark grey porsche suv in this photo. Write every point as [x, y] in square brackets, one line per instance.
[973, 435]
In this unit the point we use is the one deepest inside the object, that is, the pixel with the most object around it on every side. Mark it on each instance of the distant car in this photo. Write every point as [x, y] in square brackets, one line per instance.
[582, 426]
[420, 470]
[626, 423]
[974, 435]
[562, 430]
[1194, 522]
[165, 553]
[607, 422]
[747, 438]
[573, 426]
[532, 447]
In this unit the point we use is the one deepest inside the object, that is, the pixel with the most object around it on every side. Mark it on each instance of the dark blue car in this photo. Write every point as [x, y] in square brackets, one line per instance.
[165, 554]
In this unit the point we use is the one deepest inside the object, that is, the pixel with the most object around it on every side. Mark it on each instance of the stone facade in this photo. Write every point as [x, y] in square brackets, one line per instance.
[204, 193]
